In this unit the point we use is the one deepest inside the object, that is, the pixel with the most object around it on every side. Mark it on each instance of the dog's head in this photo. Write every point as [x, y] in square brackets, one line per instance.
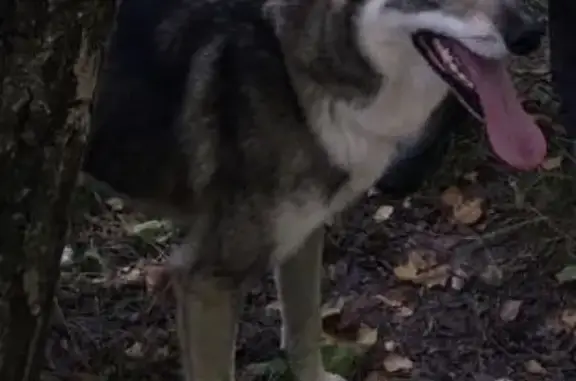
[490, 28]
[466, 42]
[357, 45]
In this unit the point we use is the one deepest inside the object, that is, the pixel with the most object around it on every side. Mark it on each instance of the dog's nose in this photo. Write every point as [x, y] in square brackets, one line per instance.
[522, 33]
[524, 40]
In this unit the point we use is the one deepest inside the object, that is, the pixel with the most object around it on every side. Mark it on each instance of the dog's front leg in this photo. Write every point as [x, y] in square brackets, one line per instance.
[206, 317]
[298, 282]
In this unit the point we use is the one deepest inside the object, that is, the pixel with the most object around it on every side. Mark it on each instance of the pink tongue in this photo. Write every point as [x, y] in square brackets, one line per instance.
[512, 132]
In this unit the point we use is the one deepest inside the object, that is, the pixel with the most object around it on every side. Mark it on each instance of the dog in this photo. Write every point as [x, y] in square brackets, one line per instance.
[253, 122]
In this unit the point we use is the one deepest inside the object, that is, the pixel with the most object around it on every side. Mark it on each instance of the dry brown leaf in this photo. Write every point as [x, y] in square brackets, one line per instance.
[452, 196]
[422, 268]
[396, 363]
[132, 276]
[510, 310]
[458, 279]
[332, 308]
[401, 309]
[383, 213]
[156, 278]
[469, 212]
[407, 271]
[135, 351]
[388, 301]
[534, 367]
[568, 317]
[367, 336]
[551, 163]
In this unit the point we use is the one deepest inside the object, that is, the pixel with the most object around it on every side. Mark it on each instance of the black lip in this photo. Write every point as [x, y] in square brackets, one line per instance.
[423, 42]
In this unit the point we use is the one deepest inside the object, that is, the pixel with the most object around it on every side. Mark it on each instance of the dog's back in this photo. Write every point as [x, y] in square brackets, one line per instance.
[202, 94]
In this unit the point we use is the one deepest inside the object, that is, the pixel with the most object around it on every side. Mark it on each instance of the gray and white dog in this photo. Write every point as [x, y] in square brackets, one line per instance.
[254, 121]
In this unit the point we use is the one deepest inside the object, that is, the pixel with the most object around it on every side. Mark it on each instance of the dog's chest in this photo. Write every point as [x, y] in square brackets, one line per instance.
[363, 141]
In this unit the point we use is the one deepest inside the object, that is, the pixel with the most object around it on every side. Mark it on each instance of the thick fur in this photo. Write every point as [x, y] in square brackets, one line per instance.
[254, 122]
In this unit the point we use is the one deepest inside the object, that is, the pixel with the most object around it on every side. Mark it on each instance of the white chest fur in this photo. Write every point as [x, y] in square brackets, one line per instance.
[363, 141]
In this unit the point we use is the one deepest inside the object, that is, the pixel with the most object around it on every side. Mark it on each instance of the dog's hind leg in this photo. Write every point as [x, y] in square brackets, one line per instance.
[298, 282]
[207, 313]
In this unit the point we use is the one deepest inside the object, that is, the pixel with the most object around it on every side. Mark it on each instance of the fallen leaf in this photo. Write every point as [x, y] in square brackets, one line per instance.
[115, 204]
[458, 279]
[567, 274]
[161, 353]
[383, 213]
[269, 369]
[534, 367]
[568, 317]
[341, 358]
[334, 329]
[551, 163]
[67, 257]
[471, 176]
[332, 308]
[469, 212]
[492, 275]
[390, 345]
[422, 268]
[510, 310]
[131, 275]
[274, 306]
[452, 196]
[156, 278]
[407, 203]
[399, 306]
[396, 363]
[135, 351]
[153, 230]
[367, 336]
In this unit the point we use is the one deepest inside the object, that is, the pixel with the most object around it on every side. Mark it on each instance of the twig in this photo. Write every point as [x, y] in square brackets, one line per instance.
[491, 238]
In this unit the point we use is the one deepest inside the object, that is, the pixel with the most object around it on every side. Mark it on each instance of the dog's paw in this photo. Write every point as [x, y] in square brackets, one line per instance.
[332, 377]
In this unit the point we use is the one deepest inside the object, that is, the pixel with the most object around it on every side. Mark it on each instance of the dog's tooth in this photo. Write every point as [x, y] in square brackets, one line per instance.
[453, 67]
[462, 77]
[437, 44]
[451, 62]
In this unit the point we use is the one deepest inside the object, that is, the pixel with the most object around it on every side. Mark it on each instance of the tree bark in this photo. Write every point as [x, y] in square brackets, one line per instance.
[49, 53]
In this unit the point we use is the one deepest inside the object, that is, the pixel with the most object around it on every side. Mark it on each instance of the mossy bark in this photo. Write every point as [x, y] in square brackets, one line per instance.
[49, 53]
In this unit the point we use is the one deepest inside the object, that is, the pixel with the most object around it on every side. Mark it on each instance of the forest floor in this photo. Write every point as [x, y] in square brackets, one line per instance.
[469, 279]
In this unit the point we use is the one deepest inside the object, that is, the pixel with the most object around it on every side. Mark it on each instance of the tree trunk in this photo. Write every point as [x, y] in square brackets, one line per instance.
[49, 52]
